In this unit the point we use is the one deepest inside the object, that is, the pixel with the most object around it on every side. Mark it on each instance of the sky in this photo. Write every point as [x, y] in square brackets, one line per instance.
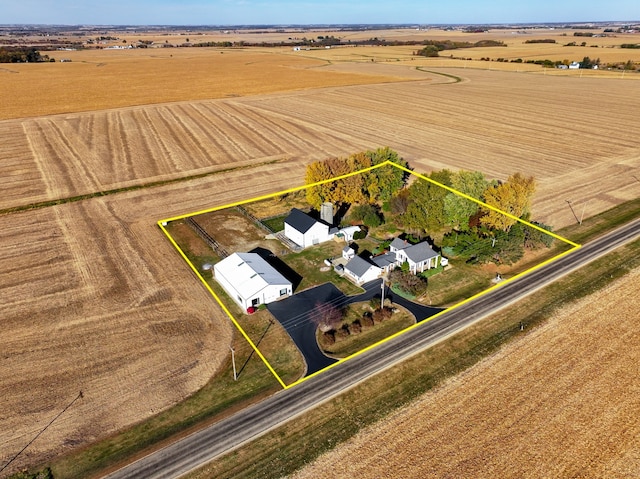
[284, 12]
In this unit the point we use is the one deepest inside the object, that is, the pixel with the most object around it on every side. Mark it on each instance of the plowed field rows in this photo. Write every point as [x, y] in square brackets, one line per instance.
[561, 402]
[95, 299]
[574, 135]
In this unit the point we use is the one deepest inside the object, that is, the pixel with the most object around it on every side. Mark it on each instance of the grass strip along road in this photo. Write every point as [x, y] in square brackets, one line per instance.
[197, 449]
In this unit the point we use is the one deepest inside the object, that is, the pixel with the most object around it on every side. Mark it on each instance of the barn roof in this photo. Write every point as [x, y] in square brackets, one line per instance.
[249, 273]
[300, 220]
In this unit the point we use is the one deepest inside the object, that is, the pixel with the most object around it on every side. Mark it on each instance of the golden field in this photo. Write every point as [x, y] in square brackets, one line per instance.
[562, 401]
[104, 79]
[95, 299]
[101, 79]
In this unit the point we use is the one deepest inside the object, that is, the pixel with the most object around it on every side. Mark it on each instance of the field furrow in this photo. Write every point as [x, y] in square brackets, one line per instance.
[561, 401]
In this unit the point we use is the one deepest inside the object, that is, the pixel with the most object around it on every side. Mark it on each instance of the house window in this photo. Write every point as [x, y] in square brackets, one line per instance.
[255, 302]
[283, 291]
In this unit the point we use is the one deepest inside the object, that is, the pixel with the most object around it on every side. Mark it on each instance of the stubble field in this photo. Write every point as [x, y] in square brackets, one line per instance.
[95, 299]
[560, 402]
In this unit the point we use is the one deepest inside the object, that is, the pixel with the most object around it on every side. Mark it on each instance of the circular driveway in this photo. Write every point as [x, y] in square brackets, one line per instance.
[294, 313]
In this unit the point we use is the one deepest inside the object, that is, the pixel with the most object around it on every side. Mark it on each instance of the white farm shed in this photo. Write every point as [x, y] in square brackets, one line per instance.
[306, 231]
[250, 280]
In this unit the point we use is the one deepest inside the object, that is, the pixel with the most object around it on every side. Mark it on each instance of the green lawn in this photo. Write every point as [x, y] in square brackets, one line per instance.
[310, 262]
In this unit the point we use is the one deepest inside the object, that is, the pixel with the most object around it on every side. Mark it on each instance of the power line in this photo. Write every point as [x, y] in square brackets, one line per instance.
[80, 395]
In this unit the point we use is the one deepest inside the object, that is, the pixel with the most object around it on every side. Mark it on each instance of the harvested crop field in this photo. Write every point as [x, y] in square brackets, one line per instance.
[96, 299]
[101, 79]
[496, 122]
[562, 401]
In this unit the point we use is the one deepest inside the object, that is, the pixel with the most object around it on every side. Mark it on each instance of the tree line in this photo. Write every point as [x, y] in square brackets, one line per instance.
[433, 47]
[21, 55]
[466, 209]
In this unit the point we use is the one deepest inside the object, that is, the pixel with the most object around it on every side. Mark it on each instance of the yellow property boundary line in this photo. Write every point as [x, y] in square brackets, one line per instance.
[164, 222]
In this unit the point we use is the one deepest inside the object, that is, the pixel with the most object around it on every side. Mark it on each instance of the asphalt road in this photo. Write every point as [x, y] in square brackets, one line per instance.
[195, 450]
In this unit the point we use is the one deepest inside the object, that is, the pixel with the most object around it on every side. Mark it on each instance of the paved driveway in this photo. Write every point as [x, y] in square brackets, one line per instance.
[294, 315]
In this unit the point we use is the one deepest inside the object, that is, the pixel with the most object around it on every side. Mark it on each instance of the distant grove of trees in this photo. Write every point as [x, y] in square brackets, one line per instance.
[432, 47]
[473, 224]
[541, 40]
[21, 55]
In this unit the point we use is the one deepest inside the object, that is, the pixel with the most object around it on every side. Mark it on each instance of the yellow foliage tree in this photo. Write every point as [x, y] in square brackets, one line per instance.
[513, 197]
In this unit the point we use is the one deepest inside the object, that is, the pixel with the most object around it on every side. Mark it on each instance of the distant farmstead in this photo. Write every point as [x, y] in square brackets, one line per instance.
[250, 280]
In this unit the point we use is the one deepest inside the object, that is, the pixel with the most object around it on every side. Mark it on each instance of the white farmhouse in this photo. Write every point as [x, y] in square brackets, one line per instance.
[419, 256]
[306, 231]
[250, 280]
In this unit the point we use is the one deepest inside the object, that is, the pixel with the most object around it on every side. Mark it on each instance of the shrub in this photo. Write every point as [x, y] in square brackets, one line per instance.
[362, 234]
[367, 320]
[409, 283]
[342, 332]
[329, 337]
[355, 327]
[377, 316]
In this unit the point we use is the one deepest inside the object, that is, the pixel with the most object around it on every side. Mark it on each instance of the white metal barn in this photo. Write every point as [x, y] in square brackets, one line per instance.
[250, 280]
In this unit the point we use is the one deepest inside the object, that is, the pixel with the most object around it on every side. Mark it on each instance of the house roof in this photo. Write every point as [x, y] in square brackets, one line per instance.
[300, 220]
[249, 273]
[348, 248]
[397, 243]
[415, 252]
[420, 252]
[384, 260]
[358, 266]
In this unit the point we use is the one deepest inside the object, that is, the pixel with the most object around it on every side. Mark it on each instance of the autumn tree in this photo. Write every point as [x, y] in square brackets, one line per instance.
[426, 203]
[382, 183]
[316, 172]
[459, 209]
[368, 187]
[513, 197]
[326, 316]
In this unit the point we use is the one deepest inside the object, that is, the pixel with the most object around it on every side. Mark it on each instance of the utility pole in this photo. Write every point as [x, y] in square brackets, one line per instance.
[233, 361]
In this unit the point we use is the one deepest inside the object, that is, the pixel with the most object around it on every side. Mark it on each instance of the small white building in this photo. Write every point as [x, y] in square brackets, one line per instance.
[306, 231]
[347, 233]
[361, 271]
[348, 252]
[250, 280]
[574, 66]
